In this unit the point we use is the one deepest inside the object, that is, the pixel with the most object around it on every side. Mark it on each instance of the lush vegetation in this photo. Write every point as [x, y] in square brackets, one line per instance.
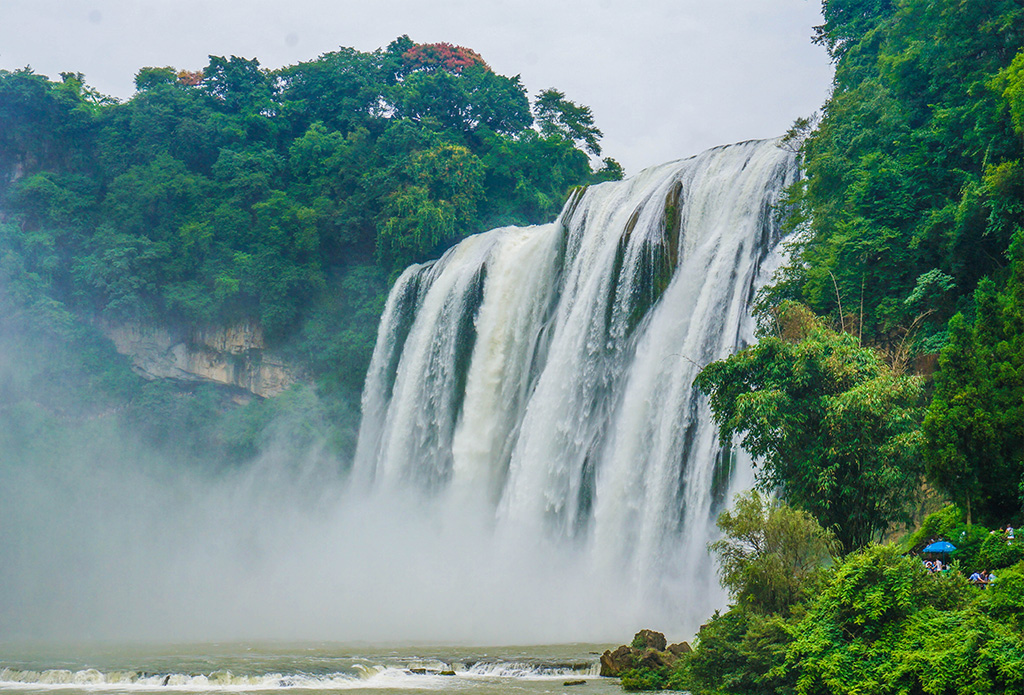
[875, 621]
[910, 247]
[975, 424]
[914, 173]
[771, 554]
[911, 243]
[286, 197]
[835, 426]
[909, 257]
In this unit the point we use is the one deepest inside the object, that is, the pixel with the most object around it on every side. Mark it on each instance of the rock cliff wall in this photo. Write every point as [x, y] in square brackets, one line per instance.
[233, 355]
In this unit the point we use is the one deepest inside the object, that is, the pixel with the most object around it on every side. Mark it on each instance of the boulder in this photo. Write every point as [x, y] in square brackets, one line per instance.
[649, 639]
[648, 650]
[613, 663]
[654, 659]
[679, 648]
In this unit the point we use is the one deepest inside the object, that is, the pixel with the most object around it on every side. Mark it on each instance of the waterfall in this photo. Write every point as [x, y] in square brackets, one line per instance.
[542, 376]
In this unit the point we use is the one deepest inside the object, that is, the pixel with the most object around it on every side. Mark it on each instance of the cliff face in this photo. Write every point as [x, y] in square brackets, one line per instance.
[233, 355]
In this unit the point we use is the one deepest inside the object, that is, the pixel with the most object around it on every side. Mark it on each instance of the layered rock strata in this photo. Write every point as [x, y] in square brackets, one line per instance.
[230, 355]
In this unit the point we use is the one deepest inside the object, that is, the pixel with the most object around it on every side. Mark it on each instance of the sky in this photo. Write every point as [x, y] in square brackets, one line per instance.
[665, 79]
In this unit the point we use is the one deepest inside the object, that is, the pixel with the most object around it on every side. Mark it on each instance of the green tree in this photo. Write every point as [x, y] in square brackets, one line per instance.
[152, 78]
[155, 199]
[771, 555]
[238, 85]
[835, 428]
[165, 116]
[239, 193]
[1009, 84]
[557, 116]
[885, 625]
[282, 268]
[974, 428]
[248, 176]
[462, 102]
[341, 90]
[739, 652]
[47, 125]
[435, 207]
[848, 21]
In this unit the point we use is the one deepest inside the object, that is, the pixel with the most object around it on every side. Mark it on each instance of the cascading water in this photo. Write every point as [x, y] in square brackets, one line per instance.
[542, 376]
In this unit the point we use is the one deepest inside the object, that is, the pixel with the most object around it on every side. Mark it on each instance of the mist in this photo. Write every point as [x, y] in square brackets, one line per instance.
[106, 538]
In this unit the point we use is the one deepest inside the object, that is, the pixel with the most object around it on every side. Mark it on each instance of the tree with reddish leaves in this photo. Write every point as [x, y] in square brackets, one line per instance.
[451, 88]
[190, 78]
[432, 57]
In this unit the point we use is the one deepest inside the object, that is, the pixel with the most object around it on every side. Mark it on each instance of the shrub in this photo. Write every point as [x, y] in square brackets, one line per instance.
[997, 551]
[643, 678]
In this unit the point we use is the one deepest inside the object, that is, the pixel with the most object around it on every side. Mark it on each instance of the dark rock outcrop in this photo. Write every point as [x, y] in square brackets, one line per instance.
[613, 663]
[649, 649]
[649, 639]
[679, 648]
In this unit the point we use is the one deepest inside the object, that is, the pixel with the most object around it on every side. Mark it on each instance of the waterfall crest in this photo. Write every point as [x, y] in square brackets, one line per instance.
[542, 376]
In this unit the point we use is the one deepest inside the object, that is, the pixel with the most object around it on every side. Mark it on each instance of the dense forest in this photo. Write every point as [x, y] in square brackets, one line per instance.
[888, 380]
[911, 220]
[912, 214]
[287, 197]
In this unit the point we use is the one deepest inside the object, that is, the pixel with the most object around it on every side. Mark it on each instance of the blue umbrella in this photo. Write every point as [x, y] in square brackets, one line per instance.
[940, 547]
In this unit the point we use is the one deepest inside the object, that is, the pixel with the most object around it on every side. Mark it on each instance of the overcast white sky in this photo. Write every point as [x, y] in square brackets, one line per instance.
[665, 78]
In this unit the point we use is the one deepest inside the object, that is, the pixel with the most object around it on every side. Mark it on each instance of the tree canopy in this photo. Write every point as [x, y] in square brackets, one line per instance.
[286, 197]
[907, 231]
[834, 427]
[974, 428]
[771, 555]
[236, 190]
[914, 171]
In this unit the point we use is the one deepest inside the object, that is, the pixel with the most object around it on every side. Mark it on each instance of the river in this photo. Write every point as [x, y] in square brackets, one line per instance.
[300, 668]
